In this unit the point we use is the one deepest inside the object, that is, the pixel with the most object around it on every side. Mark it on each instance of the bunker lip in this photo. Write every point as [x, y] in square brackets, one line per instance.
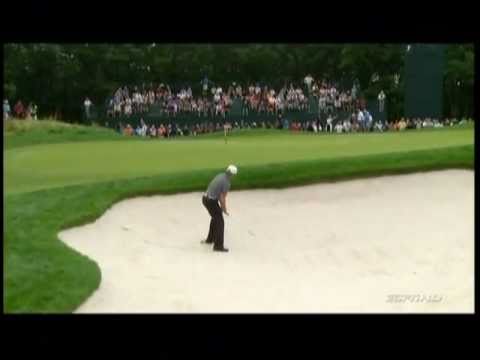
[393, 244]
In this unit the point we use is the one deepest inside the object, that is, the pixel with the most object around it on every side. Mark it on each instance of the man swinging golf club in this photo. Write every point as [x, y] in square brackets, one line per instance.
[217, 192]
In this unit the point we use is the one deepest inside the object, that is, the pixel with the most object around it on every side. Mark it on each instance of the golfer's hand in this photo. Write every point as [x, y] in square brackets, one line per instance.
[226, 212]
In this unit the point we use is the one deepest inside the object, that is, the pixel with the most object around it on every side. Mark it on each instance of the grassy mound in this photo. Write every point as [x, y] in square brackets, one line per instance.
[19, 133]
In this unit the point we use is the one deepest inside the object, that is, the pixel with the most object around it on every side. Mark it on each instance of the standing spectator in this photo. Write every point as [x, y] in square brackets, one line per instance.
[19, 109]
[368, 119]
[381, 101]
[322, 102]
[143, 128]
[28, 112]
[354, 91]
[87, 104]
[308, 82]
[361, 120]
[329, 126]
[34, 111]
[238, 91]
[204, 84]
[6, 109]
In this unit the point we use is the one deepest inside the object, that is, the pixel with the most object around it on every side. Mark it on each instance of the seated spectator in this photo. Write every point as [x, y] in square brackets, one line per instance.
[409, 124]
[153, 131]
[347, 126]
[418, 123]
[339, 128]
[437, 124]
[427, 123]
[379, 126]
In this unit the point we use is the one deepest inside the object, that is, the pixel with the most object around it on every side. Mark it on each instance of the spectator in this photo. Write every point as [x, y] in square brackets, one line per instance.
[138, 131]
[19, 110]
[368, 120]
[361, 120]
[87, 104]
[6, 109]
[437, 124]
[379, 126]
[34, 111]
[339, 128]
[153, 131]
[418, 123]
[381, 101]
[308, 82]
[329, 126]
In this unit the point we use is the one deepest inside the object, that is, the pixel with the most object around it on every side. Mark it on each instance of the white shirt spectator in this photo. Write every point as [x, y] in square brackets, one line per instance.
[360, 116]
[381, 101]
[381, 96]
[308, 80]
[338, 128]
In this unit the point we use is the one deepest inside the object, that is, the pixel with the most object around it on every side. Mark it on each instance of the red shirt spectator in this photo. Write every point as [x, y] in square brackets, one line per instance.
[19, 109]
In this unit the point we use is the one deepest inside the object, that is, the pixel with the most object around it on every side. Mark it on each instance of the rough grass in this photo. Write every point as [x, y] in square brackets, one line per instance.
[20, 133]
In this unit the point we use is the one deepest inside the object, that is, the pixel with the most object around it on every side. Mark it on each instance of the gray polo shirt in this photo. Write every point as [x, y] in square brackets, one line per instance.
[219, 184]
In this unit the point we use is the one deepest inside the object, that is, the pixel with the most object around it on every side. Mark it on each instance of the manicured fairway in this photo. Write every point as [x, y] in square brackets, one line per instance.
[30, 168]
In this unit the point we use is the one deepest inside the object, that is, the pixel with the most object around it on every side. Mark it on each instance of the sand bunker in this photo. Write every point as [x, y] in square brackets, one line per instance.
[388, 244]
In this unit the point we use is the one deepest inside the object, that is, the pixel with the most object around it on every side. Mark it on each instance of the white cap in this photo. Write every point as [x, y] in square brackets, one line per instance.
[232, 169]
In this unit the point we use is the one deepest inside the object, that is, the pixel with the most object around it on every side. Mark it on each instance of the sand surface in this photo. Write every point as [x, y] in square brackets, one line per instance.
[329, 248]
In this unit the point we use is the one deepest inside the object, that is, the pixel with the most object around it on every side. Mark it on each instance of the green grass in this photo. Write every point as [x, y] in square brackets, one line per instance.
[41, 274]
[30, 168]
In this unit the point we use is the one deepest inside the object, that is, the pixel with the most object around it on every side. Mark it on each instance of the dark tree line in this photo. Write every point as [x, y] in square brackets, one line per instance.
[59, 76]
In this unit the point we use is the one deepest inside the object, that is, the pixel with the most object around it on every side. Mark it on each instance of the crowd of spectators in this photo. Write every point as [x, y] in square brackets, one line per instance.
[20, 111]
[215, 99]
[360, 121]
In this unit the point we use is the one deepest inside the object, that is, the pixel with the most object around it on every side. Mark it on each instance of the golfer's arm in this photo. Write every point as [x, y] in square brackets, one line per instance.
[223, 201]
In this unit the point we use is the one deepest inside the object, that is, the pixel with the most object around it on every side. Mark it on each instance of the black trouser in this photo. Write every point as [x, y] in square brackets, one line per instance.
[215, 233]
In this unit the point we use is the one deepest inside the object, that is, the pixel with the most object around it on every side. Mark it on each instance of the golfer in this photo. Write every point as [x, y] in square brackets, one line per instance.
[217, 192]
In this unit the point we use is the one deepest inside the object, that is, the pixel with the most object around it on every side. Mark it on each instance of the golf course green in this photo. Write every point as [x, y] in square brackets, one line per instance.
[57, 176]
